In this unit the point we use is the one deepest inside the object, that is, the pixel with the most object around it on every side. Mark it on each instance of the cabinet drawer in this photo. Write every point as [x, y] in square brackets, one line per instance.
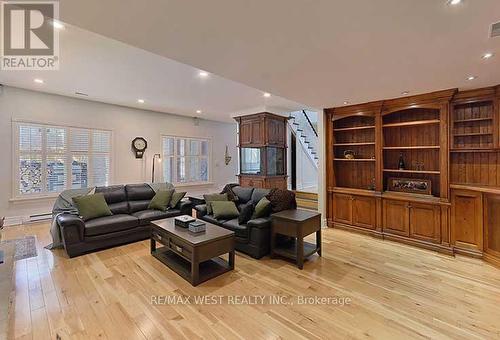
[180, 247]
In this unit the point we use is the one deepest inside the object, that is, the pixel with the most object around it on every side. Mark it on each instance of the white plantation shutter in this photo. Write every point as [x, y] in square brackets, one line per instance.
[54, 158]
[185, 160]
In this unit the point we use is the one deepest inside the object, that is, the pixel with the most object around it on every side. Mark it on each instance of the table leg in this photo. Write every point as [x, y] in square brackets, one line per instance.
[273, 241]
[195, 272]
[300, 251]
[153, 246]
[231, 259]
[318, 241]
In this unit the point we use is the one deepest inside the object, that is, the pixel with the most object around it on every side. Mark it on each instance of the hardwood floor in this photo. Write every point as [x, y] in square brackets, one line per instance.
[397, 292]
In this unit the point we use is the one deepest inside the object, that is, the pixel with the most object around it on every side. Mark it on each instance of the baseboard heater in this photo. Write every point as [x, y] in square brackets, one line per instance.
[40, 217]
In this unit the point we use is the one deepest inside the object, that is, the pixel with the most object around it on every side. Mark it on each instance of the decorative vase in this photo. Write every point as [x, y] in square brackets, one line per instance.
[349, 154]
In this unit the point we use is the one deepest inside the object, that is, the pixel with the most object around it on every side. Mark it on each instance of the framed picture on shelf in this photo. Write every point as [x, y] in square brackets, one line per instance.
[410, 185]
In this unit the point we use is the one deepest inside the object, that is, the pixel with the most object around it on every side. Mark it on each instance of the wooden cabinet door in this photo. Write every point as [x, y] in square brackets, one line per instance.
[364, 212]
[276, 132]
[467, 220]
[251, 132]
[425, 222]
[492, 225]
[245, 133]
[396, 217]
[257, 132]
[342, 208]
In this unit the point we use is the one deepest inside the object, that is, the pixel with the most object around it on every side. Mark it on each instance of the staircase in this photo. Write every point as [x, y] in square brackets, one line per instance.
[305, 132]
[306, 200]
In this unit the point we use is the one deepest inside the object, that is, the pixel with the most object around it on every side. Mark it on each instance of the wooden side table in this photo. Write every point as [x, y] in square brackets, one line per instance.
[297, 224]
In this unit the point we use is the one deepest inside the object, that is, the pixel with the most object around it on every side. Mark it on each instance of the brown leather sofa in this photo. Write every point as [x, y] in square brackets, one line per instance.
[130, 221]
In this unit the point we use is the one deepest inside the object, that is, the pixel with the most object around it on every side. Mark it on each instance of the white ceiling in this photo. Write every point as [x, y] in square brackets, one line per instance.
[317, 52]
[113, 72]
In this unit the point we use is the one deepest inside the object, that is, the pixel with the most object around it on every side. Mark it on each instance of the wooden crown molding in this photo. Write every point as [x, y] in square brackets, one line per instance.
[486, 93]
[430, 100]
[366, 109]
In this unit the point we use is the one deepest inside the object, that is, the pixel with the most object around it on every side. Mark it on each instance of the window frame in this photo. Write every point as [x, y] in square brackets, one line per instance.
[175, 157]
[68, 156]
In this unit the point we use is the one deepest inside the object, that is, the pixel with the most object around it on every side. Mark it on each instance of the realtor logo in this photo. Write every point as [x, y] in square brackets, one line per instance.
[30, 40]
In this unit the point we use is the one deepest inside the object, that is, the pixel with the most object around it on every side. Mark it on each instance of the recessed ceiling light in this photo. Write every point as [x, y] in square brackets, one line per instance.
[346, 102]
[404, 93]
[471, 77]
[198, 111]
[487, 55]
[140, 101]
[57, 24]
[203, 74]
[267, 95]
[38, 81]
[454, 2]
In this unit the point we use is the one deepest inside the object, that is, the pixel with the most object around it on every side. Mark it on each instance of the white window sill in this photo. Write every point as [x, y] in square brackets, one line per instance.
[33, 198]
[198, 184]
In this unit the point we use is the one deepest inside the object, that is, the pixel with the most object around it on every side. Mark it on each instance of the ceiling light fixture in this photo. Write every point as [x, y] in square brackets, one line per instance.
[454, 2]
[203, 74]
[471, 78]
[140, 101]
[487, 55]
[346, 102]
[267, 95]
[404, 93]
[38, 81]
[57, 25]
[198, 111]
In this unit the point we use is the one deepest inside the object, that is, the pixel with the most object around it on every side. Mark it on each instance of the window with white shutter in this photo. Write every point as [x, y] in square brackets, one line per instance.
[51, 159]
[185, 160]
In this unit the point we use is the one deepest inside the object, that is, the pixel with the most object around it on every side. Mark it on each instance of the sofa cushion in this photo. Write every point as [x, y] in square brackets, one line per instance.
[262, 209]
[161, 201]
[239, 230]
[212, 219]
[139, 192]
[213, 197]
[119, 207]
[135, 206]
[224, 210]
[281, 200]
[258, 193]
[176, 198]
[146, 216]
[246, 213]
[244, 193]
[113, 193]
[92, 206]
[110, 224]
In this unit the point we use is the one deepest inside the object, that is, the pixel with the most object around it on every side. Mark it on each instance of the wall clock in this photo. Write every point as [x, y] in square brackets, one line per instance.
[139, 145]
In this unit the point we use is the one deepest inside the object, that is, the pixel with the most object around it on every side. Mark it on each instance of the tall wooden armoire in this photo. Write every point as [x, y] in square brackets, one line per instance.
[262, 147]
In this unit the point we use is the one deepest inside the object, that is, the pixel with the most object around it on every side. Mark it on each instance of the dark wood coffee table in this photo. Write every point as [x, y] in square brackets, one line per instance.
[194, 256]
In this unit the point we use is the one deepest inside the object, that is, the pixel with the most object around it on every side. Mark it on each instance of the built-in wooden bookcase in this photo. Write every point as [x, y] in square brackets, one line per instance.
[354, 134]
[414, 136]
[473, 125]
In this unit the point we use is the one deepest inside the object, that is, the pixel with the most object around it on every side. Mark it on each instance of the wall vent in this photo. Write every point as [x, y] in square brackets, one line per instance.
[495, 30]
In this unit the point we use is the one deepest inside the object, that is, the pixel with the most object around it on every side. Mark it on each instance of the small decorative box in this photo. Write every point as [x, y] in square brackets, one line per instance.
[197, 226]
[183, 221]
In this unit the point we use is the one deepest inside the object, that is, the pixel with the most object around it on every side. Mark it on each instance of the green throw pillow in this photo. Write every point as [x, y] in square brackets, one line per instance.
[161, 200]
[92, 206]
[262, 209]
[225, 210]
[213, 197]
[176, 198]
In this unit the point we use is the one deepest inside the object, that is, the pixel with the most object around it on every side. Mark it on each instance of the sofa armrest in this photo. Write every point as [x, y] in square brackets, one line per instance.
[72, 228]
[260, 223]
[185, 206]
[201, 210]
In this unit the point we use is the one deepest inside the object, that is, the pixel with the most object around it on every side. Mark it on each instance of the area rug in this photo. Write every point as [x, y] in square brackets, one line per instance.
[24, 247]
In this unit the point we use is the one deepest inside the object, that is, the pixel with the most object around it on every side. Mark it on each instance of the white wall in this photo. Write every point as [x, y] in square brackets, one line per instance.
[306, 171]
[126, 124]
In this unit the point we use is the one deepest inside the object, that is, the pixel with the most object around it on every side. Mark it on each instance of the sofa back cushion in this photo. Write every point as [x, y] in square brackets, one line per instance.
[257, 194]
[139, 196]
[244, 193]
[116, 198]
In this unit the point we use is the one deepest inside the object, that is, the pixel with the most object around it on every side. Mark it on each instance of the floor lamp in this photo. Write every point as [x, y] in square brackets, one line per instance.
[156, 156]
